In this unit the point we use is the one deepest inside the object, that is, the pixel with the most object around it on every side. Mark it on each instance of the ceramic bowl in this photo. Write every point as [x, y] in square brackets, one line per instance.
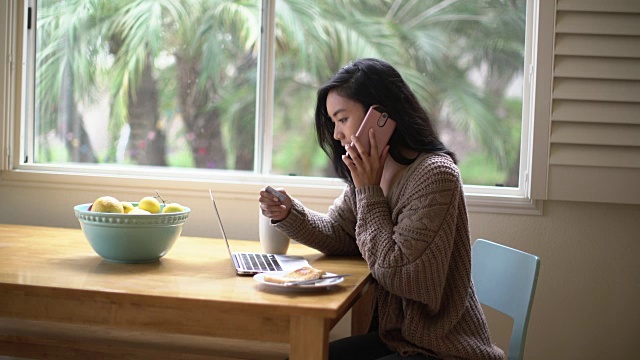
[126, 238]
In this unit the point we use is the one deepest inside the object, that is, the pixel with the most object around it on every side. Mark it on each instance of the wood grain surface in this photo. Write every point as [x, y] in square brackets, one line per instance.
[54, 290]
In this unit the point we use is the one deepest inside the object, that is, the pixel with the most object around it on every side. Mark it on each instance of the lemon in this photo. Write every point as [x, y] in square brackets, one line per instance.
[149, 204]
[126, 206]
[107, 204]
[138, 211]
[173, 207]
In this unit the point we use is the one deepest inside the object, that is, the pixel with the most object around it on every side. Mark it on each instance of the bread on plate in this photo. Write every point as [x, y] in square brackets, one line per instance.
[304, 273]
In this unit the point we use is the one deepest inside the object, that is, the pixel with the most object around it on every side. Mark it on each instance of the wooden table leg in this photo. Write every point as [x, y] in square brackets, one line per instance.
[309, 338]
[362, 312]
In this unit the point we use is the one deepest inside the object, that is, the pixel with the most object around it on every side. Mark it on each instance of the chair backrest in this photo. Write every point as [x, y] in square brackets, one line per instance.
[505, 280]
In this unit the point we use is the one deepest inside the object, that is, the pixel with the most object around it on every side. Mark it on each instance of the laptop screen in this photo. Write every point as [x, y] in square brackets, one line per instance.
[224, 235]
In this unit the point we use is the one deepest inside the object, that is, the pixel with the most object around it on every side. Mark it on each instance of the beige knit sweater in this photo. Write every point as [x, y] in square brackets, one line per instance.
[416, 242]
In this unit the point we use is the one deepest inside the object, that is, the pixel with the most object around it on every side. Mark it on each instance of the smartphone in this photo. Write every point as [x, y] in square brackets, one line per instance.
[378, 119]
[275, 192]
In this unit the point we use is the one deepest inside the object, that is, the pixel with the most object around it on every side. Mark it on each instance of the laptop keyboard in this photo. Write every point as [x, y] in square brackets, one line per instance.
[260, 262]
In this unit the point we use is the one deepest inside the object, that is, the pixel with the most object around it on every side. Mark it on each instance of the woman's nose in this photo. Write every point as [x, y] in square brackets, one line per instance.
[337, 134]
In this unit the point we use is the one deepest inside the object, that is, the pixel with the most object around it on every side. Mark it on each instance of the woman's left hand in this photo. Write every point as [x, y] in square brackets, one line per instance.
[365, 169]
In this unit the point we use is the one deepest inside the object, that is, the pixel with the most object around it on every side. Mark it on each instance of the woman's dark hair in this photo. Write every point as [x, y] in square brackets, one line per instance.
[375, 82]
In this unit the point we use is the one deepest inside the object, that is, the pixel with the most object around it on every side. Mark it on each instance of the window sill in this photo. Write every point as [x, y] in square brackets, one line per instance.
[238, 186]
[477, 203]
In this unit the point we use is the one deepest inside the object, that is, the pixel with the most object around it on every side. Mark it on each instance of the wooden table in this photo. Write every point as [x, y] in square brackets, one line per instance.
[59, 299]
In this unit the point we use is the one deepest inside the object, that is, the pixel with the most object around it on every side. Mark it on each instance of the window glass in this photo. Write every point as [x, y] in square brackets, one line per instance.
[464, 60]
[146, 82]
[173, 83]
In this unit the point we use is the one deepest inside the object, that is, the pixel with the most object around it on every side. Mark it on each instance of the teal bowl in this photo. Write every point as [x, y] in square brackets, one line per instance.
[126, 238]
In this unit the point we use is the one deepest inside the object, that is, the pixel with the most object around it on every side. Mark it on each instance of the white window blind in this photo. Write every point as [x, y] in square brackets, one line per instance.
[594, 152]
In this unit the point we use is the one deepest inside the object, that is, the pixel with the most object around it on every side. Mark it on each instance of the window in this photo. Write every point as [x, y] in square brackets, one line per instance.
[187, 87]
[464, 59]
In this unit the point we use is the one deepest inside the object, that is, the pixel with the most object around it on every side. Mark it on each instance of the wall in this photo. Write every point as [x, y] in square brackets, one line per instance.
[586, 301]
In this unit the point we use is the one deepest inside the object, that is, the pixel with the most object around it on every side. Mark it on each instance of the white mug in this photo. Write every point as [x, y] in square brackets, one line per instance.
[273, 241]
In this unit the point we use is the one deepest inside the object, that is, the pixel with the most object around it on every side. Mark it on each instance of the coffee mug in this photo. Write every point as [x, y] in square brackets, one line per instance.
[273, 241]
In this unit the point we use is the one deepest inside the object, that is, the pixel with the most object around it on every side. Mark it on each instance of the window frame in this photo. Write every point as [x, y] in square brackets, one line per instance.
[526, 199]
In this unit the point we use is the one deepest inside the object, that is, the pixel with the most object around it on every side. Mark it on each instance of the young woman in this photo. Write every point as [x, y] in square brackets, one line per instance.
[404, 212]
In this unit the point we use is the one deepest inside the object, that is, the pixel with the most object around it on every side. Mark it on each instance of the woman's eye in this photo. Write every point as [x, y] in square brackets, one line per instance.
[342, 120]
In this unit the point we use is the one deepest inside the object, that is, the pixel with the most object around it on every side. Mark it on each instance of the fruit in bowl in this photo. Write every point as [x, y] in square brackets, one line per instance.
[137, 236]
[172, 208]
[150, 204]
[108, 204]
[126, 206]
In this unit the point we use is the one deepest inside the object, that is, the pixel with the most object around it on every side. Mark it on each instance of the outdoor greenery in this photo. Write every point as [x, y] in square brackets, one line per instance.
[180, 77]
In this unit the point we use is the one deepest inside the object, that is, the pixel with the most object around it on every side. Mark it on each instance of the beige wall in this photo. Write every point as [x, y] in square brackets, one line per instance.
[586, 304]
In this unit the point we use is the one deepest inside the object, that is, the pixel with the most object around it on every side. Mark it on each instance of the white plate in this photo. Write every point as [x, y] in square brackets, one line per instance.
[317, 285]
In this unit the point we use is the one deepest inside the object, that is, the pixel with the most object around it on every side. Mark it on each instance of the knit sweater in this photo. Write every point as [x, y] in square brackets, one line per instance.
[417, 245]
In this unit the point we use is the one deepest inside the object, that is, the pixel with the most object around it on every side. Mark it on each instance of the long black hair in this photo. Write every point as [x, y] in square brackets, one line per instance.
[375, 82]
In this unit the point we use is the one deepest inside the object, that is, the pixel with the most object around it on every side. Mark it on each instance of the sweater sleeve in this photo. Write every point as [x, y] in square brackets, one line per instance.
[332, 233]
[409, 251]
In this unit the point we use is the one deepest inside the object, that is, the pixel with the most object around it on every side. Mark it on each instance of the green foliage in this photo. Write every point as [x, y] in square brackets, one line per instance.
[181, 158]
[310, 165]
[481, 169]
[458, 56]
[53, 154]
[513, 108]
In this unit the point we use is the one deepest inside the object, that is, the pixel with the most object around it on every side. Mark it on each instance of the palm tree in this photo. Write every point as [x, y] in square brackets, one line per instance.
[210, 78]
[62, 78]
[417, 38]
[216, 64]
[214, 75]
[134, 34]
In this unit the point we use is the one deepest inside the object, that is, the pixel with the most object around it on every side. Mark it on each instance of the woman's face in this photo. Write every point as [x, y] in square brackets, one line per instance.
[346, 114]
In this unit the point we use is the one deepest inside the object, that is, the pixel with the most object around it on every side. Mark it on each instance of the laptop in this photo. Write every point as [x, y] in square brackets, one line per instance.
[255, 263]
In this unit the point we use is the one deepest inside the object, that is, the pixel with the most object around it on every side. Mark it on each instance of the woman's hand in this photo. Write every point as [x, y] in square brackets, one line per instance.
[365, 169]
[272, 207]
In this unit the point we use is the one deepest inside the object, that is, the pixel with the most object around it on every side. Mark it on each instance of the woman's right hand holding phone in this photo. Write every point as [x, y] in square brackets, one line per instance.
[275, 204]
[365, 169]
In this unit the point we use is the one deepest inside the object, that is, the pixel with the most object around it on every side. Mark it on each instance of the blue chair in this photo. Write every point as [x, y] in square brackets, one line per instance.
[505, 280]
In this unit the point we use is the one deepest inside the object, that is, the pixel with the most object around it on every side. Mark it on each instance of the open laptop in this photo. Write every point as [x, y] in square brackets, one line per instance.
[254, 263]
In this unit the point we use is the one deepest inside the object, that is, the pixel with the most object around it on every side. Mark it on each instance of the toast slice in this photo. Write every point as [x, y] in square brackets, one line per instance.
[304, 273]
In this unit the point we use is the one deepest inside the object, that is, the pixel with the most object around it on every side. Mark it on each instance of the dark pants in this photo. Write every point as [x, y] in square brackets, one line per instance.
[366, 347]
